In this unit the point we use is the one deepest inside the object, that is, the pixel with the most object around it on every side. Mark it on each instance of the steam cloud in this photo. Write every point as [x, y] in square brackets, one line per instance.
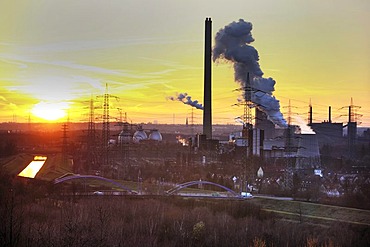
[186, 99]
[232, 43]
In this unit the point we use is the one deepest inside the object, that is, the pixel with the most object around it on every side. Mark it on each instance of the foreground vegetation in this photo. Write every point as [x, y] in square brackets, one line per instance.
[30, 219]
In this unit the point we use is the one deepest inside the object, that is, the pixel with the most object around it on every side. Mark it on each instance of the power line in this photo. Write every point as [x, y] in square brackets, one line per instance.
[106, 127]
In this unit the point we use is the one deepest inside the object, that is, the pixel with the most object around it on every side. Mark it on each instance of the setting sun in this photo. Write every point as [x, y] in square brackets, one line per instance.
[50, 111]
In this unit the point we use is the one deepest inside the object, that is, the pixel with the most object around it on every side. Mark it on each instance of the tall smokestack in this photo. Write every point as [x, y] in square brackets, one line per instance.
[310, 116]
[350, 114]
[207, 112]
[329, 114]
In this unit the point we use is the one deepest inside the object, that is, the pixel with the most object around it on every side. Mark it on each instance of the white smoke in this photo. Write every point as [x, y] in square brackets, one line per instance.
[239, 120]
[303, 127]
[232, 43]
[186, 99]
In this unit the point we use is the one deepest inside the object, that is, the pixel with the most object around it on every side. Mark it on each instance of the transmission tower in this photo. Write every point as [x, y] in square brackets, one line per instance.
[106, 128]
[65, 144]
[289, 152]
[91, 139]
[91, 125]
[124, 144]
[247, 130]
[248, 118]
[353, 116]
[29, 121]
[352, 128]
[192, 121]
[14, 117]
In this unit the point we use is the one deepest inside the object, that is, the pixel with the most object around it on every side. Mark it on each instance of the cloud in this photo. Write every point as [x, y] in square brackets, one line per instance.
[11, 58]
[48, 79]
[169, 63]
[19, 65]
[87, 45]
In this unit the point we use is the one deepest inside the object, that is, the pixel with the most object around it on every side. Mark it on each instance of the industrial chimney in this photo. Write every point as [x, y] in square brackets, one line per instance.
[310, 115]
[207, 99]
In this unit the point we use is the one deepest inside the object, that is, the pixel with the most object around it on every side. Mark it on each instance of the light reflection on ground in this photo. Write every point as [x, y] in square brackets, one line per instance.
[34, 167]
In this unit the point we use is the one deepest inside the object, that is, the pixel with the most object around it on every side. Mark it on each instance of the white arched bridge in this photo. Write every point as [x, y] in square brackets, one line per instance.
[169, 192]
[179, 187]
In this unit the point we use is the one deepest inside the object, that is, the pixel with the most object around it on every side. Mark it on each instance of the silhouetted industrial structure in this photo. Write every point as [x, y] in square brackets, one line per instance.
[289, 153]
[106, 128]
[92, 140]
[352, 128]
[124, 143]
[65, 143]
[262, 123]
[327, 132]
[207, 99]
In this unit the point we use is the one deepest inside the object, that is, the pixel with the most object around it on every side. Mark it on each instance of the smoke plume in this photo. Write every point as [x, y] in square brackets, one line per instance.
[232, 43]
[186, 99]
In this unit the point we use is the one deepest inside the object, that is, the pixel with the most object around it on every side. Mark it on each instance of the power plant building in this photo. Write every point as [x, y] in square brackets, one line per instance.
[264, 124]
[308, 154]
[328, 133]
[253, 142]
[304, 150]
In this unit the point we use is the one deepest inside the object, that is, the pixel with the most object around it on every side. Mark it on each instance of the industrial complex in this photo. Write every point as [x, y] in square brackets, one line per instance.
[265, 151]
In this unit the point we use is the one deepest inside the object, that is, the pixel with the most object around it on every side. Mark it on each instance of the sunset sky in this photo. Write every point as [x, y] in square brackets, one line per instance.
[59, 54]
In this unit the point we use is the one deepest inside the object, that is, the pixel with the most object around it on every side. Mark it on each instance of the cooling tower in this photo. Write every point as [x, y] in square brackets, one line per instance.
[207, 112]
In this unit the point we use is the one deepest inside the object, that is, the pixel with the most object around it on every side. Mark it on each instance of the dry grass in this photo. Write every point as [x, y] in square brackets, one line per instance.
[315, 213]
[108, 221]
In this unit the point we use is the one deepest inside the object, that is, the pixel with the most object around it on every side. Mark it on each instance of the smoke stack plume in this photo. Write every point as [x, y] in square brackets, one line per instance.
[186, 99]
[232, 44]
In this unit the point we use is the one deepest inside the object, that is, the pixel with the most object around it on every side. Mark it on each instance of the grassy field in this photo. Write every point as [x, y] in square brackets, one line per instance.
[314, 213]
[15, 164]
[288, 210]
[54, 167]
[297, 211]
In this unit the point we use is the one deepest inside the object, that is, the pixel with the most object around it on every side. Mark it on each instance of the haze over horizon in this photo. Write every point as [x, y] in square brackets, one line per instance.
[59, 54]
